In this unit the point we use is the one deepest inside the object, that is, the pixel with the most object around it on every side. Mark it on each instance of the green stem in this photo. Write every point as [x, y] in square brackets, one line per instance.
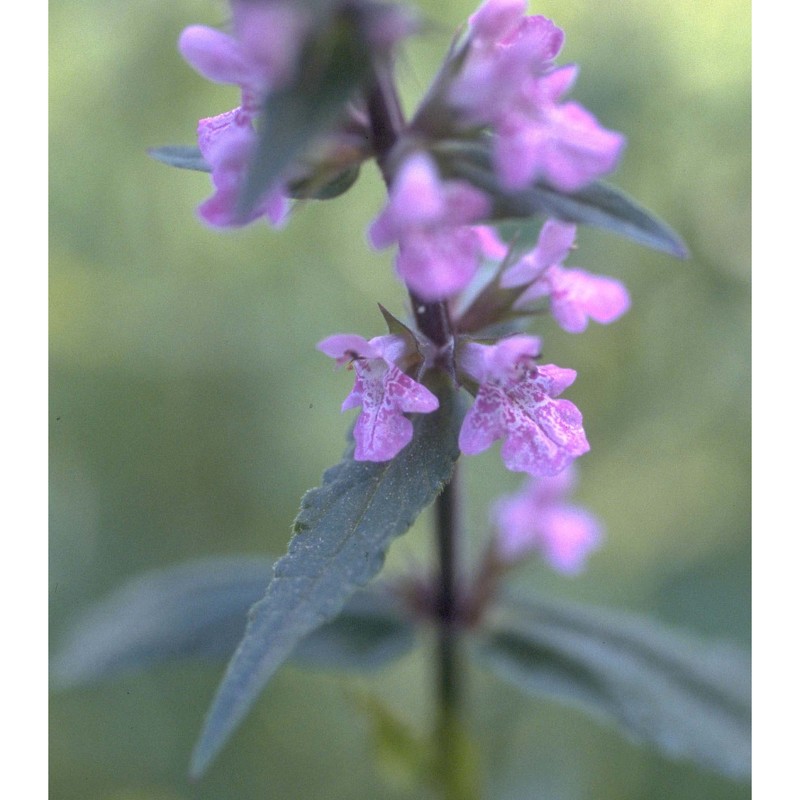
[447, 601]
[453, 781]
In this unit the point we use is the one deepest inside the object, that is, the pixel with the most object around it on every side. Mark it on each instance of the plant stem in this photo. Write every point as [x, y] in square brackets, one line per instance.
[447, 601]
[385, 116]
[433, 320]
[455, 781]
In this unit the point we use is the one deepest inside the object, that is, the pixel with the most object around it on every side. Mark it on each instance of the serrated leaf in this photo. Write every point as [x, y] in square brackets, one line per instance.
[181, 156]
[199, 610]
[598, 204]
[687, 697]
[333, 66]
[342, 533]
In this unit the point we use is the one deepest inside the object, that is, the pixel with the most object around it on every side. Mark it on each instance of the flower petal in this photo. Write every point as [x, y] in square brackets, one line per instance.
[214, 54]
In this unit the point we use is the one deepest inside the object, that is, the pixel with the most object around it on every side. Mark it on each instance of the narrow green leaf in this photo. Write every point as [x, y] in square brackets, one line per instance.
[181, 156]
[599, 204]
[446, 759]
[199, 610]
[192, 610]
[333, 66]
[403, 755]
[687, 697]
[342, 533]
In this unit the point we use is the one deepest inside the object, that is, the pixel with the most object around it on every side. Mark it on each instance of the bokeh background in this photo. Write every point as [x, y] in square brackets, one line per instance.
[190, 411]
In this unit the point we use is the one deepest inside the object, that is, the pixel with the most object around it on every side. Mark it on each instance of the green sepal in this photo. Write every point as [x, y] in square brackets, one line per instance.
[181, 156]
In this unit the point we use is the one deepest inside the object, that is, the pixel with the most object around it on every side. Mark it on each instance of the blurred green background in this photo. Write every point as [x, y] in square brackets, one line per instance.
[190, 411]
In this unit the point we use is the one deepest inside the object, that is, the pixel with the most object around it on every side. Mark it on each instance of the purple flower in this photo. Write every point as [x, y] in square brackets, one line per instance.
[508, 81]
[563, 144]
[515, 402]
[382, 390]
[258, 57]
[506, 50]
[227, 142]
[539, 518]
[438, 252]
[575, 295]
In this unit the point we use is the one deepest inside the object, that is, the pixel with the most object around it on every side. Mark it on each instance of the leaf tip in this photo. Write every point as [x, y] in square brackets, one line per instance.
[204, 753]
[681, 250]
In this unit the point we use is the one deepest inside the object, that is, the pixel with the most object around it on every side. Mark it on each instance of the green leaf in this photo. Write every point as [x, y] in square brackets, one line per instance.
[687, 697]
[456, 767]
[368, 633]
[342, 533]
[199, 610]
[179, 155]
[334, 65]
[403, 755]
[325, 187]
[599, 204]
[192, 610]
[446, 760]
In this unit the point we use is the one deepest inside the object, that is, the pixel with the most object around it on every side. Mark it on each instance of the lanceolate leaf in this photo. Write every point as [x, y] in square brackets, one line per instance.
[687, 697]
[191, 610]
[199, 610]
[333, 66]
[179, 155]
[342, 533]
[599, 204]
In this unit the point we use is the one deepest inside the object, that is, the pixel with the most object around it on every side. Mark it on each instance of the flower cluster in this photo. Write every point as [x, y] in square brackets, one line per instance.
[515, 396]
[501, 95]
[503, 77]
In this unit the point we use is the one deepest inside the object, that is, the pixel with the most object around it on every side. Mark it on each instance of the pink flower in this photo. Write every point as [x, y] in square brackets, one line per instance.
[382, 390]
[515, 403]
[259, 57]
[563, 144]
[227, 143]
[575, 295]
[539, 518]
[438, 252]
[508, 81]
[507, 49]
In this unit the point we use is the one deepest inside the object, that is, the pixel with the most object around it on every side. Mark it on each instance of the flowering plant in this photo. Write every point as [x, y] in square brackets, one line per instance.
[494, 141]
